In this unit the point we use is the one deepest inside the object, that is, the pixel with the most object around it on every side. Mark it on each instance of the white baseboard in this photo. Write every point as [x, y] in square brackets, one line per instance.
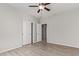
[63, 44]
[14, 48]
[10, 49]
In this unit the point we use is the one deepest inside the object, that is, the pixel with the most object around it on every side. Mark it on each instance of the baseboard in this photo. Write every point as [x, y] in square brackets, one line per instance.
[10, 49]
[63, 45]
[15, 47]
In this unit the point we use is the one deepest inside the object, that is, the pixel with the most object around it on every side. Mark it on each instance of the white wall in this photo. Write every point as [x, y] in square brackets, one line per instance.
[12, 25]
[36, 30]
[10, 28]
[63, 28]
[39, 32]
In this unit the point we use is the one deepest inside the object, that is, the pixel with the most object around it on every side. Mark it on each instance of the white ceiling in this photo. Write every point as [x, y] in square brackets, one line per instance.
[55, 8]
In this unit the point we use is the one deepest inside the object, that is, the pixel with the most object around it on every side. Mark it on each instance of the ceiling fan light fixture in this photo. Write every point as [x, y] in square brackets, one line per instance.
[41, 7]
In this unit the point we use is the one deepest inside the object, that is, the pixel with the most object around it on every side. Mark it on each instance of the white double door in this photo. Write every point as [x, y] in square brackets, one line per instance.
[27, 32]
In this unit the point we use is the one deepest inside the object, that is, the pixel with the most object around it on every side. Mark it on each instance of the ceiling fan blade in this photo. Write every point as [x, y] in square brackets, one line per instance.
[38, 11]
[47, 9]
[33, 6]
[46, 3]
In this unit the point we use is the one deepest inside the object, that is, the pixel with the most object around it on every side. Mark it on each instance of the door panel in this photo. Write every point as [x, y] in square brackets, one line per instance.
[26, 32]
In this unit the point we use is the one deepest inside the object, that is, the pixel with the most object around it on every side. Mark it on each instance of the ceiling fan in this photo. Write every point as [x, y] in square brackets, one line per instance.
[41, 6]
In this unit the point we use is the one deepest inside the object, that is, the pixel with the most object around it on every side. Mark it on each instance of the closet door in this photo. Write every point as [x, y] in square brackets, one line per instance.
[26, 32]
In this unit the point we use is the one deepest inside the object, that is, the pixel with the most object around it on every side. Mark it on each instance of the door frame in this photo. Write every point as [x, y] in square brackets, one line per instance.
[44, 35]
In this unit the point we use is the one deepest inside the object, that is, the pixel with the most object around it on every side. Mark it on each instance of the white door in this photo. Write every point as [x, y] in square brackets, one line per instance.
[26, 32]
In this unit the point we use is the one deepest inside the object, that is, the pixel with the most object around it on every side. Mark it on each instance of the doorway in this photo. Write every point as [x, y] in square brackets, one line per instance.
[31, 33]
[44, 33]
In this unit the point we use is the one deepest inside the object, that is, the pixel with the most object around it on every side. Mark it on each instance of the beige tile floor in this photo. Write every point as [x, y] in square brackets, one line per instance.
[40, 49]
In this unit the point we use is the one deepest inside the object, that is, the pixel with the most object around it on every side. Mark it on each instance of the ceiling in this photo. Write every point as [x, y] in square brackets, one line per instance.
[55, 8]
